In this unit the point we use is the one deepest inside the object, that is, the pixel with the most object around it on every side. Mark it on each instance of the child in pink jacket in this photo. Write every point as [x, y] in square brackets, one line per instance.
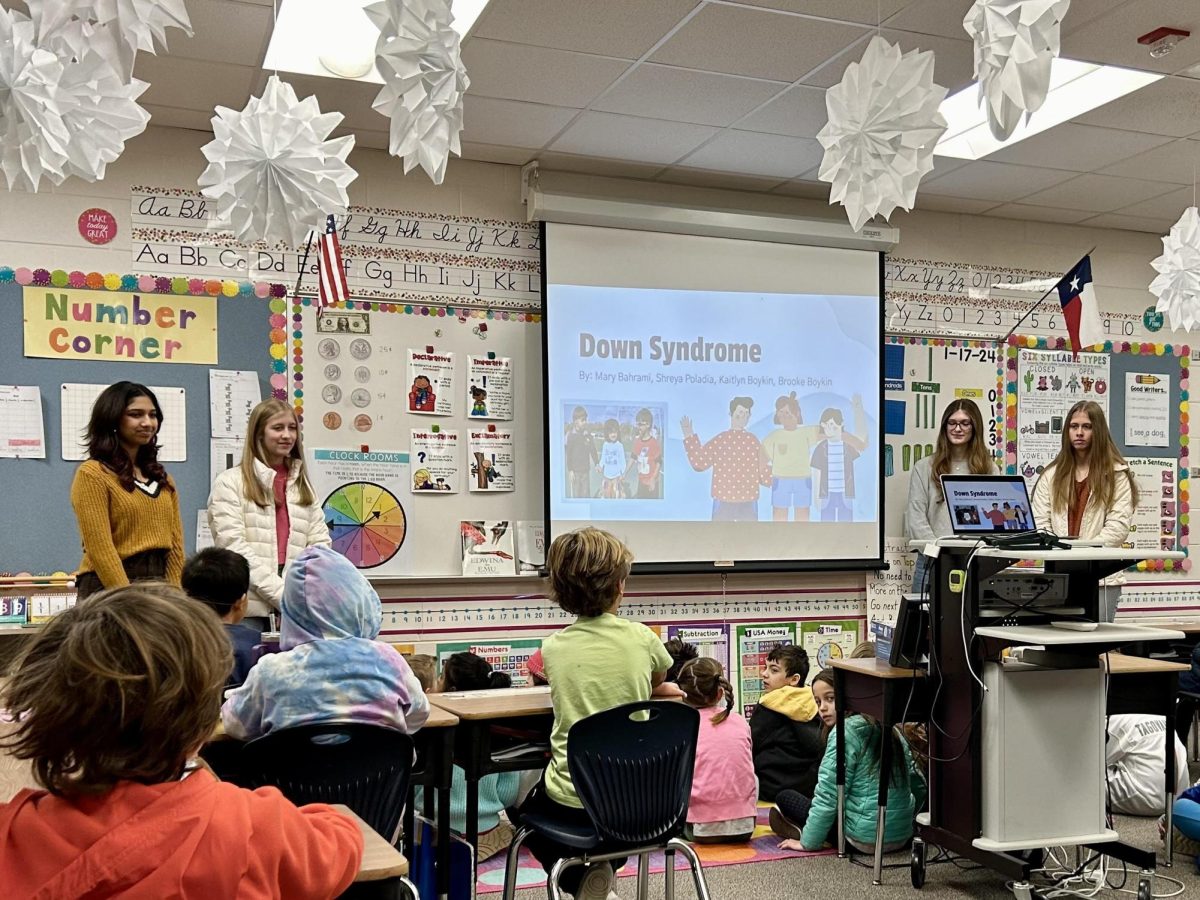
[724, 788]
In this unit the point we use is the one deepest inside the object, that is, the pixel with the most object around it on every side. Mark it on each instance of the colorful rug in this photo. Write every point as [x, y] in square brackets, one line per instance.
[763, 847]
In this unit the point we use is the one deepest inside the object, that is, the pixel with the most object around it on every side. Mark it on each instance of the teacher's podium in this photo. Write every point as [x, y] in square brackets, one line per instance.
[1017, 737]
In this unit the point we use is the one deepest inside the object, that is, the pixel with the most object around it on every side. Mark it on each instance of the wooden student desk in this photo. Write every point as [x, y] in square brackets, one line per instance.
[891, 696]
[382, 868]
[477, 711]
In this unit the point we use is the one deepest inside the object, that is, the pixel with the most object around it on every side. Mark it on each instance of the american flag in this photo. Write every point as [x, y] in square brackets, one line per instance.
[331, 275]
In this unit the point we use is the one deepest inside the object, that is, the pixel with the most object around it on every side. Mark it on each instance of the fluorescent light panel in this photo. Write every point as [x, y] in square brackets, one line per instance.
[338, 31]
[1075, 88]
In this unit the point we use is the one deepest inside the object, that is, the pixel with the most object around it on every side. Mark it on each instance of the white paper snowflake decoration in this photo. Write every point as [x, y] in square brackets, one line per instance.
[1177, 284]
[271, 168]
[418, 56]
[1016, 42]
[883, 125]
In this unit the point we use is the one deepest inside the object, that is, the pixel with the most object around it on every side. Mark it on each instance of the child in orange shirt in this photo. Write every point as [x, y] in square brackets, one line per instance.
[113, 700]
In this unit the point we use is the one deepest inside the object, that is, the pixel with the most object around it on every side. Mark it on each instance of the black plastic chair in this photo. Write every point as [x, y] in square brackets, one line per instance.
[366, 767]
[632, 768]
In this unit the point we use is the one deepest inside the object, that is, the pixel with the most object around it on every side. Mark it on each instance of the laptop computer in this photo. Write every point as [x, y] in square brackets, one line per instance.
[988, 505]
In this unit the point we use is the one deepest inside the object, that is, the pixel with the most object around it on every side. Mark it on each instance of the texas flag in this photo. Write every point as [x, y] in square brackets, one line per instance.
[1079, 306]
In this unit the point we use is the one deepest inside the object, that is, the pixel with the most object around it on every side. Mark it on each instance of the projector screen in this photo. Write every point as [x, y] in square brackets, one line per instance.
[714, 401]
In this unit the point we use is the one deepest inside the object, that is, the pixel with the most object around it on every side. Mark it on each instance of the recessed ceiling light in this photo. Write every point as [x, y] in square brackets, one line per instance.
[1075, 88]
[334, 38]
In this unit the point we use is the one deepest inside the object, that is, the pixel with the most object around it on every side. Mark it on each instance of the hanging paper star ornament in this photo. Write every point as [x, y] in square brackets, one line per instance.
[883, 125]
[1177, 284]
[424, 81]
[272, 171]
[1015, 44]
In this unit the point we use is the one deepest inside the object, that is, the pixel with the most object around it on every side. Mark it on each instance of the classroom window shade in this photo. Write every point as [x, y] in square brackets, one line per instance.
[714, 401]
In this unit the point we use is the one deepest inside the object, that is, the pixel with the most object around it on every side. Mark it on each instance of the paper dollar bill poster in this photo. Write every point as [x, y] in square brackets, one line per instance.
[360, 494]
[1156, 515]
[753, 643]
[436, 461]
[431, 382]
[826, 641]
[489, 387]
[711, 640]
[492, 460]
[1147, 409]
[509, 657]
[1049, 382]
[887, 586]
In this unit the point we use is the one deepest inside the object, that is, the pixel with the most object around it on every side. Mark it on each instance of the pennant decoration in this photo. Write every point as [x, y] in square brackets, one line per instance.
[331, 275]
[883, 125]
[1080, 310]
[271, 169]
[1015, 44]
[424, 81]
[1177, 284]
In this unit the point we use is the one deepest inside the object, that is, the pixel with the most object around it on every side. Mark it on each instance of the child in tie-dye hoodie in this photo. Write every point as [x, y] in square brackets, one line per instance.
[331, 668]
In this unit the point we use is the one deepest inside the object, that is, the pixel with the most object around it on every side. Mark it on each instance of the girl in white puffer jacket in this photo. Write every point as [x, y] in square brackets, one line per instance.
[265, 509]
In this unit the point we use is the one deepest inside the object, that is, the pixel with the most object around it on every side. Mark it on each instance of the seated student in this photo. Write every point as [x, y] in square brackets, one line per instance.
[598, 662]
[537, 669]
[724, 789]
[331, 668]
[1134, 756]
[220, 579]
[785, 724]
[863, 749]
[424, 667]
[681, 652]
[497, 791]
[115, 696]
[793, 804]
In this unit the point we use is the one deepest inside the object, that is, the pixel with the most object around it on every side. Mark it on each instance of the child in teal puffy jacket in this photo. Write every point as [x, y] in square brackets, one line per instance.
[818, 822]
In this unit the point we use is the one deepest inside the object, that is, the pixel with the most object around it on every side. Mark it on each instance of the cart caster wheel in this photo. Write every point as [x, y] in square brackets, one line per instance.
[917, 866]
[1145, 889]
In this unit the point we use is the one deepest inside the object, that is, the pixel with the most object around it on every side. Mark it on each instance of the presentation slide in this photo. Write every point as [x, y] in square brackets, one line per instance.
[988, 506]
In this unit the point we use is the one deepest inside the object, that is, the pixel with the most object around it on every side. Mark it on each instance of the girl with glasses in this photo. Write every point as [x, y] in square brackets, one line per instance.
[961, 450]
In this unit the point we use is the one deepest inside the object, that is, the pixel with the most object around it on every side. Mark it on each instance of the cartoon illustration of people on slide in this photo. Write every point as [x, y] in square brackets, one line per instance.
[738, 462]
[833, 463]
[789, 450]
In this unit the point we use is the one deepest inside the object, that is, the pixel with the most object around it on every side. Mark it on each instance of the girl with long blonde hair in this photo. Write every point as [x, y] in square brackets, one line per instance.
[961, 449]
[265, 509]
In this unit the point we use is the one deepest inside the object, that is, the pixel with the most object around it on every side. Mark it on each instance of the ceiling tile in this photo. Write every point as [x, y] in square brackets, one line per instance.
[717, 179]
[800, 112]
[742, 41]
[375, 140]
[953, 60]
[753, 153]
[352, 99]
[810, 190]
[681, 95]
[1175, 162]
[224, 32]
[512, 156]
[521, 72]
[865, 13]
[592, 165]
[993, 181]
[1101, 193]
[511, 123]
[1040, 213]
[192, 84]
[945, 17]
[1130, 223]
[1170, 106]
[1165, 206]
[1077, 148]
[1112, 37]
[934, 203]
[625, 28]
[628, 137]
[170, 117]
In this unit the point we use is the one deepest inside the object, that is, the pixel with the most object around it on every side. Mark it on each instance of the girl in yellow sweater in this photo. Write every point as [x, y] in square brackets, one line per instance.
[125, 502]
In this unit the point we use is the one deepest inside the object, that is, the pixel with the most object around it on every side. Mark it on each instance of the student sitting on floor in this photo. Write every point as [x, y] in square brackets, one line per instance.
[681, 653]
[1135, 764]
[813, 823]
[785, 725]
[220, 579]
[598, 662]
[331, 668]
[497, 791]
[800, 798]
[115, 696]
[724, 789]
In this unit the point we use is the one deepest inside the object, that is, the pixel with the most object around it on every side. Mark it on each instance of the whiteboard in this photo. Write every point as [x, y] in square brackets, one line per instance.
[78, 400]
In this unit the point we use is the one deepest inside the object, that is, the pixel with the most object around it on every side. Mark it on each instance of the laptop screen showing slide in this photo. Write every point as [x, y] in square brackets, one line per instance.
[987, 504]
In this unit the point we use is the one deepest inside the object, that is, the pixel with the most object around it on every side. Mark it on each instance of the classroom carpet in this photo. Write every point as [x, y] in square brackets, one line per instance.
[763, 847]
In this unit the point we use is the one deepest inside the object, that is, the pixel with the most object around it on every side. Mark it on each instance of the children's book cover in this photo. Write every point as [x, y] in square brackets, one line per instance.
[487, 548]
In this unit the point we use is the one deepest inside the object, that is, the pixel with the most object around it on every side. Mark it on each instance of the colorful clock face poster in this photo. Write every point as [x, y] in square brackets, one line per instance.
[363, 497]
[826, 641]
